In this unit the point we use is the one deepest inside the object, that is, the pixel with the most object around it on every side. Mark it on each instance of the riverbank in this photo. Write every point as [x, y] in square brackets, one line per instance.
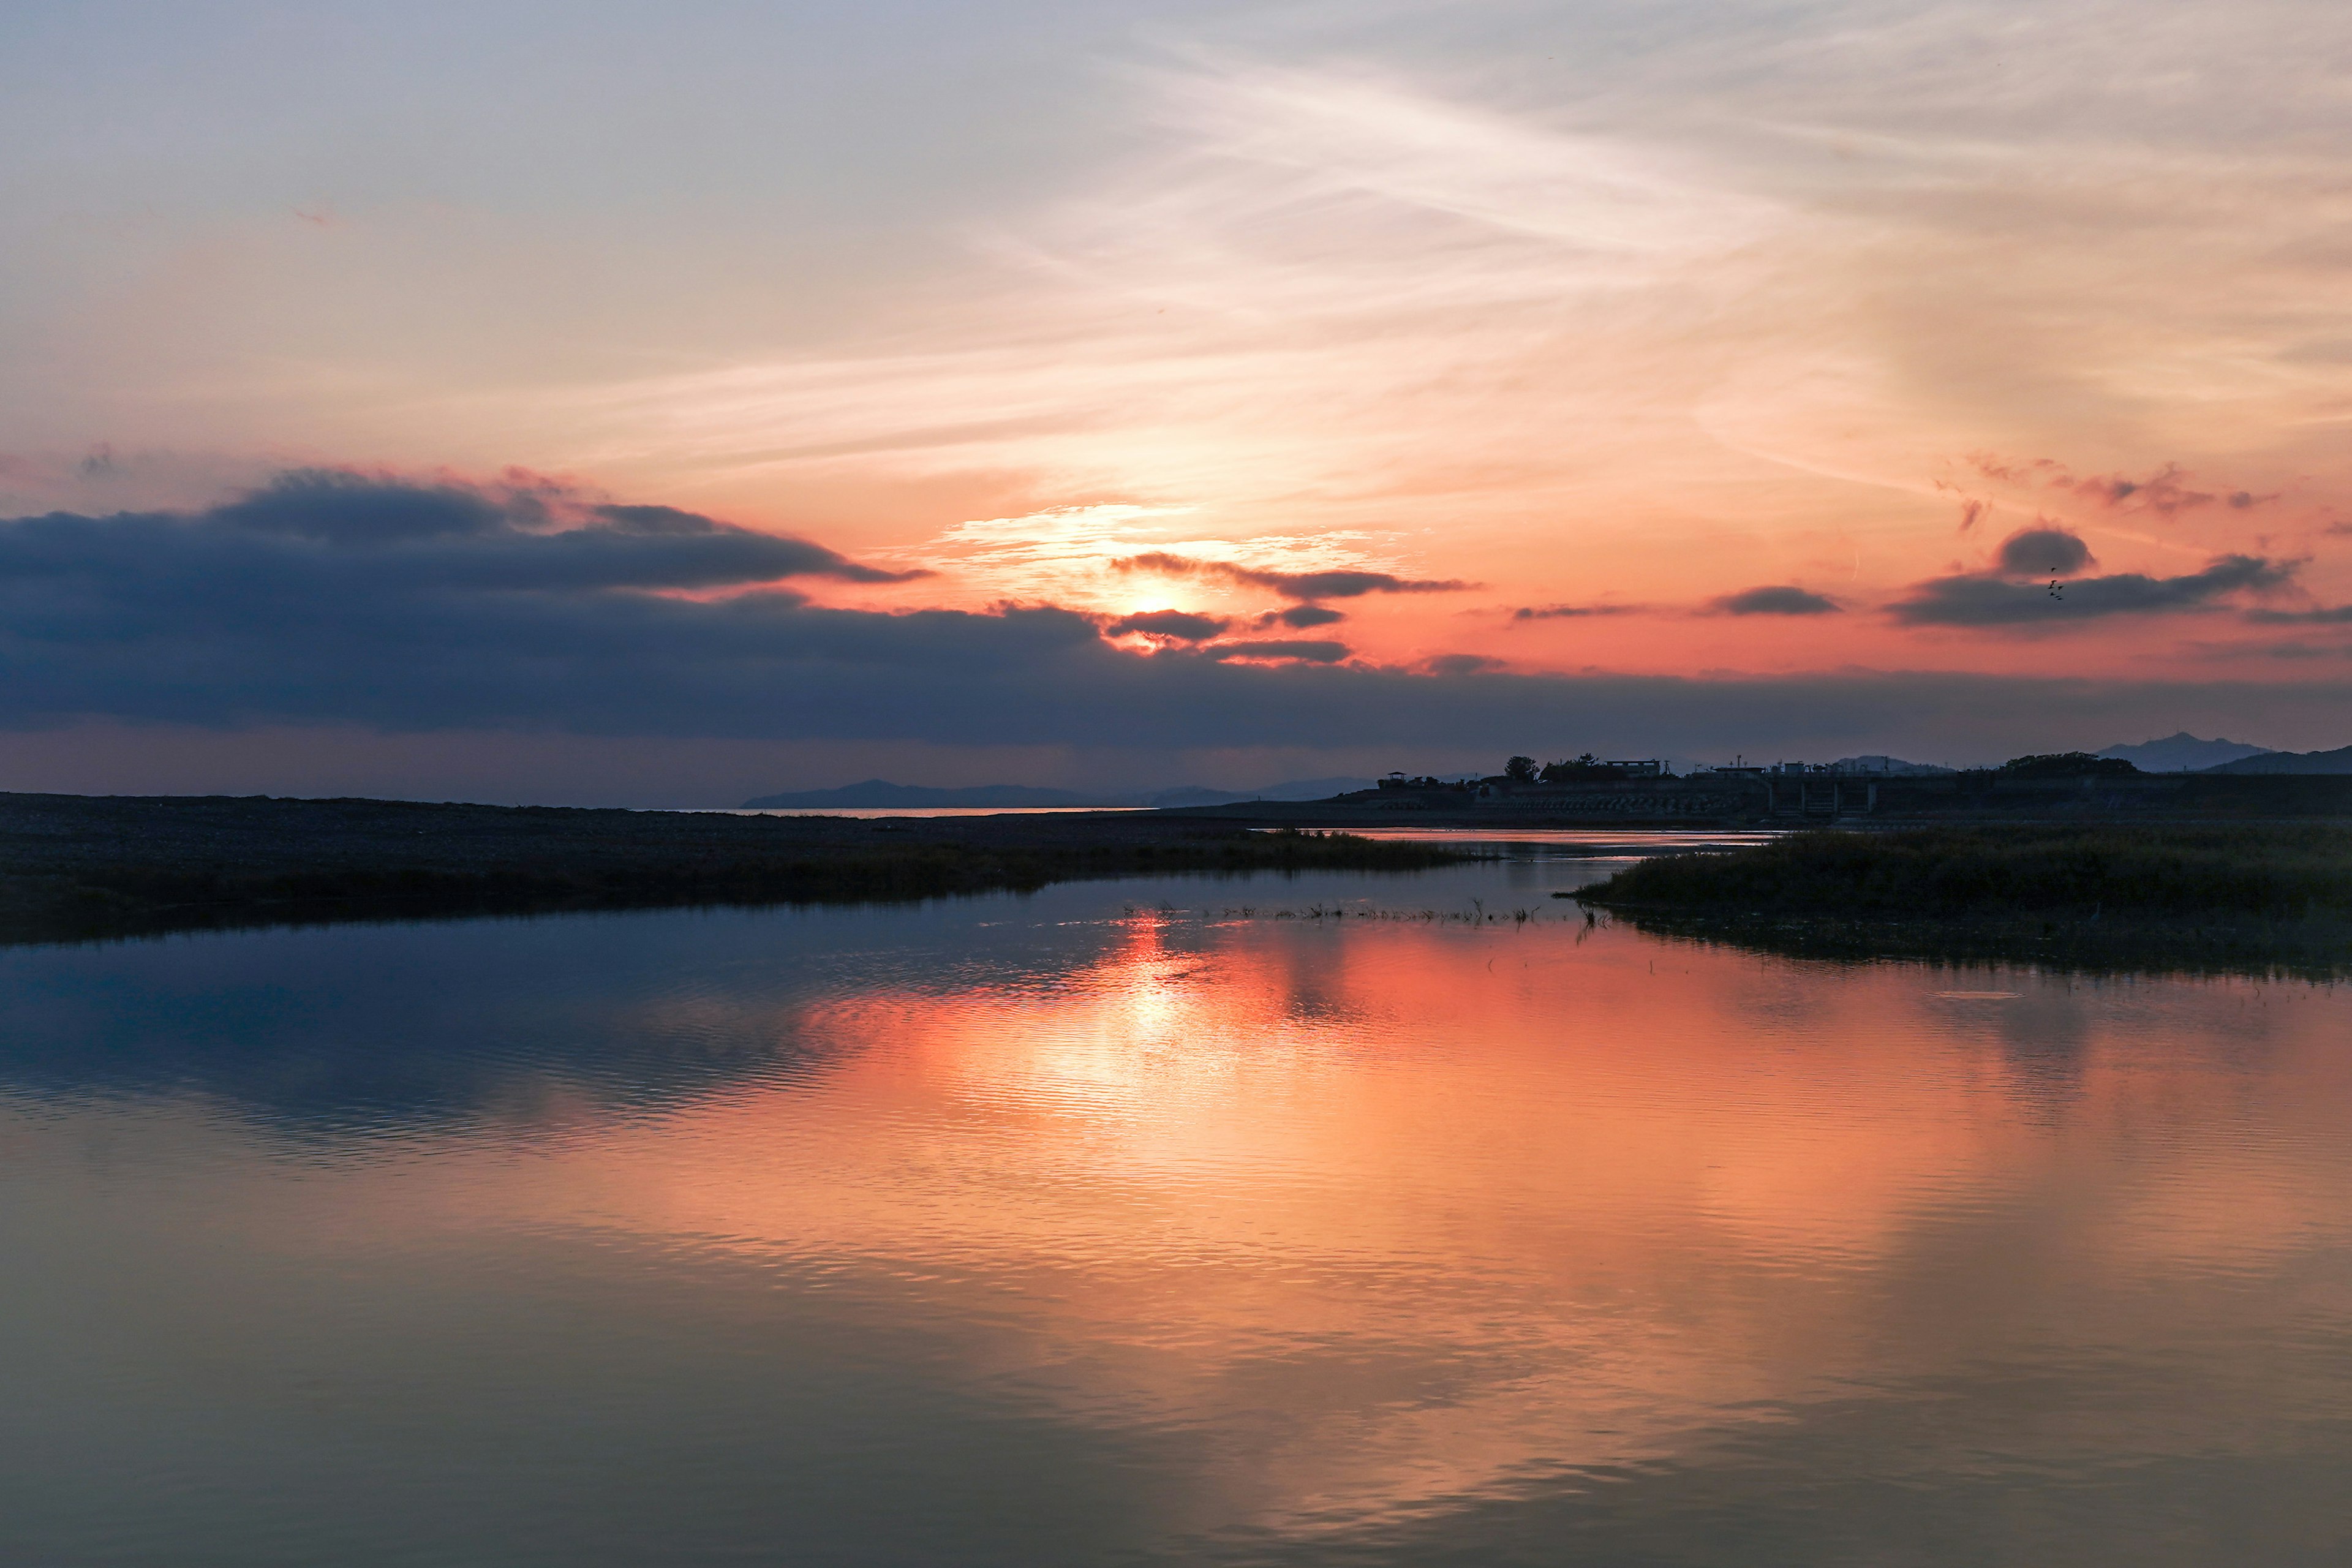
[2189, 897]
[77, 867]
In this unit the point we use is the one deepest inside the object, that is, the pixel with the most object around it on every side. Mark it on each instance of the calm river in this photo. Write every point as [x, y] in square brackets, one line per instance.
[1160, 1222]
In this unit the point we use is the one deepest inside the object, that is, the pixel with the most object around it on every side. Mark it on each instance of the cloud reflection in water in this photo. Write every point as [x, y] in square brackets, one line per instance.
[1321, 1237]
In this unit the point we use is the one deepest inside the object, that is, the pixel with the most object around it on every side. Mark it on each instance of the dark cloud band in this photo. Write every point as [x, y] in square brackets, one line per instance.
[439, 608]
[1777, 600]
[1991, 600]
[1570, 612]
[1281, 649]
[1180, 626]
[2042, 551]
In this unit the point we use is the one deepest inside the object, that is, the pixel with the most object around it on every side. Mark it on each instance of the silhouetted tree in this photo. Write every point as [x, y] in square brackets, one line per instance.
[1569, 772]
[1584, 769]
[1520, 770]
[2067, 766]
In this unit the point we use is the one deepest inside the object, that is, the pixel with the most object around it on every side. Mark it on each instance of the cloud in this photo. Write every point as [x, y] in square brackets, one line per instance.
[1302, 585]
[2163, 492]
[1299, 618]
[1182, 625]
[2333, 614]
[2166, 491]
[1778, 600]
[1975, 599]
[340, 506]
[2042, 550]
[1303, 652]
[2007, 471]
[1460, 664]
[523, 535]
[462, 611]
[1564, 612]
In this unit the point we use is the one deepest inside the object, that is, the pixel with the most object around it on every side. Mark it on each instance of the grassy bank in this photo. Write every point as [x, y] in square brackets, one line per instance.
[2264, 871]
[78, 868]
[2203, 898]
[2316, 949]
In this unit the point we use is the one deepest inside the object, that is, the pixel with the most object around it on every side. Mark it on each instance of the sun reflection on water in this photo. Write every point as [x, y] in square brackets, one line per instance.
[1373, 1220]
[1405, 1213]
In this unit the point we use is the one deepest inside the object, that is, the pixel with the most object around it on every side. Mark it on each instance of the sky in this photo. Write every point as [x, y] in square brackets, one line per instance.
[620, 403]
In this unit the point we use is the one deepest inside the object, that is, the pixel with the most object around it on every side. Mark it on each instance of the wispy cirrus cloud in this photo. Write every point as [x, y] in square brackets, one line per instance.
[1343, 294]
[2168, 491]
[2161, 492]
[1313, 287]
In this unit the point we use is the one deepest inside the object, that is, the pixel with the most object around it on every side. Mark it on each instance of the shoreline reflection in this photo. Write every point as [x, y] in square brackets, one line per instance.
[1354, 1238]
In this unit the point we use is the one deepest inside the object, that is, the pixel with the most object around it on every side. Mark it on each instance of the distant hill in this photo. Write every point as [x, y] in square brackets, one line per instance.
[1189, 795]
[1887, 767]
[1290, 789]
[2184, 753]
[2339, 761]
[882, 794]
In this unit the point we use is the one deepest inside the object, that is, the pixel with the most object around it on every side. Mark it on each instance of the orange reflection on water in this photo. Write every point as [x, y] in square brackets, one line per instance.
[1403, 1211]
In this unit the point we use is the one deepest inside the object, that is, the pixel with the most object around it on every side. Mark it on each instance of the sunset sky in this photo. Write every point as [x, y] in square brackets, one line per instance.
[396, 399]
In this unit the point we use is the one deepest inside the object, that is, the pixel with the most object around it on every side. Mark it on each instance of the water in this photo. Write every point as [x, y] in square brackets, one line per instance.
[1073, 1229]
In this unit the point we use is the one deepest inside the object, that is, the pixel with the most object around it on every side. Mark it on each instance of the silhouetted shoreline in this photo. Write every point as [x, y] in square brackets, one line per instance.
[2318, 949]
[76, 868]
[2162, 893]
[2192, 897]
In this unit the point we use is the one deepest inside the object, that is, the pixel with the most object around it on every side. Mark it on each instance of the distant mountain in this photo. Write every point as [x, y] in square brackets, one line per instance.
[2339, 761]
[882, 794]
[1188, 795]
[2184, 753]
[1887, 767]
[1294, 789]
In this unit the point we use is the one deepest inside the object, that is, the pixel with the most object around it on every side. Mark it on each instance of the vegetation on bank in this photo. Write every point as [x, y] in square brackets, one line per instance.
[2210, 898]
[135, 889]
[2066, 766]
[2270, 872]
[2317, 948]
